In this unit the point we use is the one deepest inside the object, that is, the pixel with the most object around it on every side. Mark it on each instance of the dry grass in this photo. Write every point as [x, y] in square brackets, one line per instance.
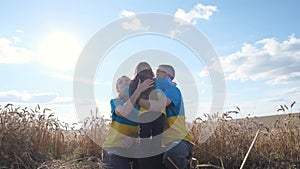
[35, 139]
[31, 138]
[277, 145]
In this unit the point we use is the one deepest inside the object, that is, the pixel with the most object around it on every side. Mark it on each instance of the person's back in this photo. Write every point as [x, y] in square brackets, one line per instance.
[175, 127]
[151, 123]
[175, 137]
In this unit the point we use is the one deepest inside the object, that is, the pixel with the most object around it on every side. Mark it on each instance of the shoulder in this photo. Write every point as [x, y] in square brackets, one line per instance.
[173, 89]
[112, 101]
[174, 94]
[116, 102]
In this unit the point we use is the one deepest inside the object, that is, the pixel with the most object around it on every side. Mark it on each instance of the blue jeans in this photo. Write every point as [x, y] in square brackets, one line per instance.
[113, 161]
[179, 154]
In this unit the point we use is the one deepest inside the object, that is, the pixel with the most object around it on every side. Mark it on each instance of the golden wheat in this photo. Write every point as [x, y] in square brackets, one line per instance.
[34, 138]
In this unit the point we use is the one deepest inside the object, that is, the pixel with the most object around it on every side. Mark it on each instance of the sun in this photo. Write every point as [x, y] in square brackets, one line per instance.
[59, 50]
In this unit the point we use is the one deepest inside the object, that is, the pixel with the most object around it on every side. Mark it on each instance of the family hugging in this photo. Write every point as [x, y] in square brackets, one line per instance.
[148, 123]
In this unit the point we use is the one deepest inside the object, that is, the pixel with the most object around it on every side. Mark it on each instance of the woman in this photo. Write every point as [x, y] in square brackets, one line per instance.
[151, 117]
[117, 148]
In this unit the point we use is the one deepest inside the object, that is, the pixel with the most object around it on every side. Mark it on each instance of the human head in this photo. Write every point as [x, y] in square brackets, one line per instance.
[122, 83]
[142, 66]
[165, 71]
[144, 69]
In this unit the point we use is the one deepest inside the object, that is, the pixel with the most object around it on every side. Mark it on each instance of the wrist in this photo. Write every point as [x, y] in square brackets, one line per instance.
[138, 101]
[138, 91]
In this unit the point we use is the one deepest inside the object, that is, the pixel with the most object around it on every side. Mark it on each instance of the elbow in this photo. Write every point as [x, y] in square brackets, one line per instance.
[125, 113]
[122, 113]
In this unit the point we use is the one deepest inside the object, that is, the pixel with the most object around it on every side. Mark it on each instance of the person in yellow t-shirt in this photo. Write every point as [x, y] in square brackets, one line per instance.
[118, 147]
[176, 138]
[177, 141]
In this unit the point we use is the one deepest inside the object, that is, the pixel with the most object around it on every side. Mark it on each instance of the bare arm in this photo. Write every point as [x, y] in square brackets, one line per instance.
[125, 109]
[155, 105]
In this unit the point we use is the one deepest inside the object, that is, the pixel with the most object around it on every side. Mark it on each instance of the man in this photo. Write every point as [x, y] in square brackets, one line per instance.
[178, 143]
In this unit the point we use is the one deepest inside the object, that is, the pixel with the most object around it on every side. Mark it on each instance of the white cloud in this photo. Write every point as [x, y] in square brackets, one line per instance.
[16, 39]
[269, 60]
[11, 54]
[19, 31]
[126, 13]
[293, 91]
[62, 100]
[133, 23]
[284, 79]
[13, 96]
[24, 96]
[174, 32]
[199, 11]
[203, 73]
[214, 68]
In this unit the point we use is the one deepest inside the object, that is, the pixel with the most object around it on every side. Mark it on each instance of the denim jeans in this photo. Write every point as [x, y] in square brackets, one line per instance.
[179, 154]
[113, 161]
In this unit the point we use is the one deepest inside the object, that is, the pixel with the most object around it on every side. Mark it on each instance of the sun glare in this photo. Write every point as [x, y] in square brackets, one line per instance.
[59, 50]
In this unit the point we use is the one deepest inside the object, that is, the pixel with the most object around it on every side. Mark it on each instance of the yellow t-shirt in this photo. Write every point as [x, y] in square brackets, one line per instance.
[120, 127]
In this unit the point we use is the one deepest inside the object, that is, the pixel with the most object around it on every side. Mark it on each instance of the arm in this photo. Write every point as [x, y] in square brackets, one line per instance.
[146, 103]
[125, 109]
[172, 95]
[155, 105]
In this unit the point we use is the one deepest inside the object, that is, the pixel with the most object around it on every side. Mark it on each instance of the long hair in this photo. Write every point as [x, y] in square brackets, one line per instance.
[142, 76]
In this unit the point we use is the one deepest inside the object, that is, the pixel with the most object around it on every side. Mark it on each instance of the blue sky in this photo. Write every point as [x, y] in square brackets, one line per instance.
[257, 42]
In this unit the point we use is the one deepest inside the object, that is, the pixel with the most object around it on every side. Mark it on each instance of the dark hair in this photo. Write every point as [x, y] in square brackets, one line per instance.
[142, 76]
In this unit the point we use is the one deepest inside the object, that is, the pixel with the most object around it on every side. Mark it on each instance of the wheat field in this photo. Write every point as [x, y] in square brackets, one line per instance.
[34, 138]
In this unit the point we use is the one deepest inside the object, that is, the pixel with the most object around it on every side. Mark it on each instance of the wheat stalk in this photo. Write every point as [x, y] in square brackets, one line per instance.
[252, 144]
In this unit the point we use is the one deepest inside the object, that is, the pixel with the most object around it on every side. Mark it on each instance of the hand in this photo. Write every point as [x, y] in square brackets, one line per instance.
[128, 142]
[159, 104]
[145, 85]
